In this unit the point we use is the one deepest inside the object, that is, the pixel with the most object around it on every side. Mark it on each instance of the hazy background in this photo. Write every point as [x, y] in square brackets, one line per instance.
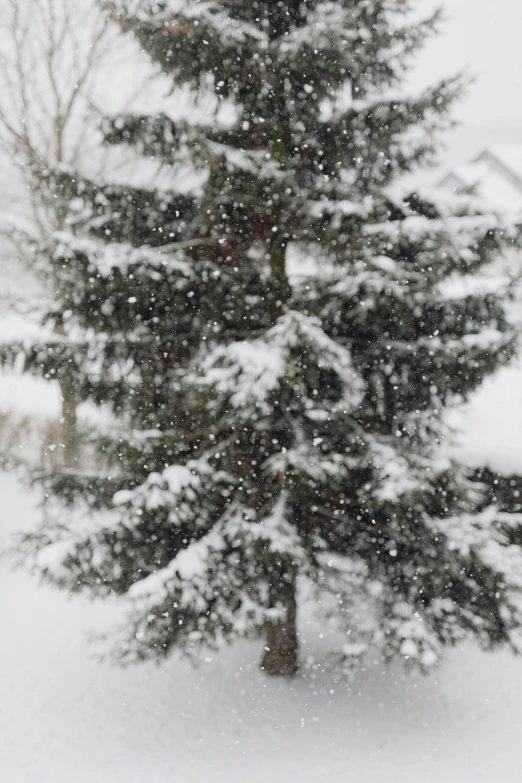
[483, 38]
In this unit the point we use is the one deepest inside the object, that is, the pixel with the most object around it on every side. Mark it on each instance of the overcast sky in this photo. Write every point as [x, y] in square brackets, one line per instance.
[485, 37]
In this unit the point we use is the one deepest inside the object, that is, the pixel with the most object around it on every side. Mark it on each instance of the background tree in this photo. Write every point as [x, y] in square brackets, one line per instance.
[277, 336]
[55, 60]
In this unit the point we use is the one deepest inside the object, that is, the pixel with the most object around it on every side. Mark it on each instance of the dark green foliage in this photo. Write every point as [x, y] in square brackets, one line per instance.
[117, 213]
[505, 492]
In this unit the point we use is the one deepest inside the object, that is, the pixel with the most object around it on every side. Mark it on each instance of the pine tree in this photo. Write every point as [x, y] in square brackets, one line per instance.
[277, 337]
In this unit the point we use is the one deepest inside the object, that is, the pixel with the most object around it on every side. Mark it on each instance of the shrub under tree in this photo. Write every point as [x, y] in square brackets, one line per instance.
[277, 337]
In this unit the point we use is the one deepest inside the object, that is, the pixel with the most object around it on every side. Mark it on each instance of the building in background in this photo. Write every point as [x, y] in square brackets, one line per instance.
[495, 176]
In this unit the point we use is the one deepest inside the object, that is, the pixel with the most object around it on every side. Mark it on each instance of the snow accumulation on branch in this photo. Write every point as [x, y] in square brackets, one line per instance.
[247, 372]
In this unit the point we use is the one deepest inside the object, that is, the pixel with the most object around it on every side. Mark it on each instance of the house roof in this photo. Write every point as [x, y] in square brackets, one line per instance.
[494, 176]
[467, 174]
[508, 155]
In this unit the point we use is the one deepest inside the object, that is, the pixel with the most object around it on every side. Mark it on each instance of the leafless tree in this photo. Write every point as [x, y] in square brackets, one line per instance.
[59, 63]
[51, 54]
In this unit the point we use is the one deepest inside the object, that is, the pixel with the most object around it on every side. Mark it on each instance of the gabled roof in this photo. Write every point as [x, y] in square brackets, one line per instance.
[494, 176]
[507, 156]
[466, 175]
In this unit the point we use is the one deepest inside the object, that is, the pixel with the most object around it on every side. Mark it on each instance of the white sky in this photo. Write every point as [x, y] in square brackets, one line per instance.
[483, 36]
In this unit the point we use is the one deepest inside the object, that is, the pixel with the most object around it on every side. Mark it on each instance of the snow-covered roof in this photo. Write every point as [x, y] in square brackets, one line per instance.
[495, 176]
[508, 155]
[467, 174]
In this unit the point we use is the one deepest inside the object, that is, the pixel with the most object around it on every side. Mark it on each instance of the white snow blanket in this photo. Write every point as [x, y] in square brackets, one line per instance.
[65, 717]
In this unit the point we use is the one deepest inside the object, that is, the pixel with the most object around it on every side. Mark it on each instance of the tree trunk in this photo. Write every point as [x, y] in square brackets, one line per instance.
[68, 421]
[69, 434]
[281, 651]
[281, 286]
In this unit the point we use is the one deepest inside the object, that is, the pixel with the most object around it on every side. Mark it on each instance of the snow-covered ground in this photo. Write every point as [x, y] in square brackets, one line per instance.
[66, 717]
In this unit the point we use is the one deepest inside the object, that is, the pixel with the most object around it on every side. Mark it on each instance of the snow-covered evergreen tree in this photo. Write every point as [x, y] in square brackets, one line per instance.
[277, 336]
